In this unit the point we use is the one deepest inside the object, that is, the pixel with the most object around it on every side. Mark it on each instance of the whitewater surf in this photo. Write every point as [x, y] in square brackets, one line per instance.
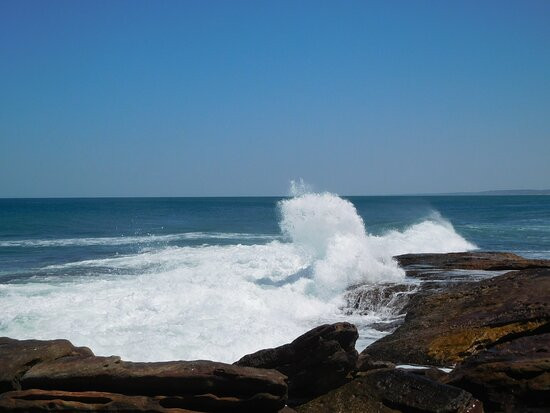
[219, 301]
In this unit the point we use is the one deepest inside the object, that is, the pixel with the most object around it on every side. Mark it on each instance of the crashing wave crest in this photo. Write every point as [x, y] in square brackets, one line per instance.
[219, 301]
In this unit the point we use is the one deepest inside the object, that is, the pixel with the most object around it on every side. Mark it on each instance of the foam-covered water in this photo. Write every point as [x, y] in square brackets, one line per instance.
[214, 300]
[143, 239]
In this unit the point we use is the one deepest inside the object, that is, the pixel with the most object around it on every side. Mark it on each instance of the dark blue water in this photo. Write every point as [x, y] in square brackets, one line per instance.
[30, 227]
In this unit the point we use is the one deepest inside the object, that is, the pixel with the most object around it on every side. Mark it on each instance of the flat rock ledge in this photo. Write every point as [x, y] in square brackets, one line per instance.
[484, 261]
[444, 328]
[58, 376]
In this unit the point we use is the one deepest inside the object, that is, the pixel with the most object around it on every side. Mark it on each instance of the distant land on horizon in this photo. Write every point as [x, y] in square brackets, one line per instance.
[503, 192]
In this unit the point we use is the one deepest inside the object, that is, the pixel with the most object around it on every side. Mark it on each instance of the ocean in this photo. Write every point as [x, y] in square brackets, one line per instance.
[154, 279]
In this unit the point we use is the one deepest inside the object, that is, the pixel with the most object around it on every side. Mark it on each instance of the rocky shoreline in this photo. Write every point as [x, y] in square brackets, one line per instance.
[489, 326]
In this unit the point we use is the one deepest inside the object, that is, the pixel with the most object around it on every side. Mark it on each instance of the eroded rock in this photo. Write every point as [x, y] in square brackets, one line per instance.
[444, 328]
[314, 363]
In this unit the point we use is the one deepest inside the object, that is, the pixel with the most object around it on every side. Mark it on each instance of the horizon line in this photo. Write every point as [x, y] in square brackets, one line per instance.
[503, 192]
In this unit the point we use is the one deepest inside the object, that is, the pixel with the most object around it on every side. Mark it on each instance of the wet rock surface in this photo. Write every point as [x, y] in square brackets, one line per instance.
[444, 328]
[314, 363]
[486, 261]
[428, 274]
[367, 298]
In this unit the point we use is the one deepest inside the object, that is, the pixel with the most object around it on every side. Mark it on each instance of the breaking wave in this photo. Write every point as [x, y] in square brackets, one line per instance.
[220, 301]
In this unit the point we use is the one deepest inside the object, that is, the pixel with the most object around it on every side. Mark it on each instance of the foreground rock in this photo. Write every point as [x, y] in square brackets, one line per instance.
[485, 261]
[194, 385]
[314, 363]
[511, 376]
[444, 328]
[54, 400]
[18, 356]
[393, 391]
[48, 400]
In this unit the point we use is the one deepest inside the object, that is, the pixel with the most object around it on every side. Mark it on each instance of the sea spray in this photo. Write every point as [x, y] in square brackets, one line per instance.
[329, 229]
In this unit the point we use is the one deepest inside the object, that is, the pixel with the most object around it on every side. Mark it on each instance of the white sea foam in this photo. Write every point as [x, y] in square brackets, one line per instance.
[434, 234]
[330, 229]
[220, 302]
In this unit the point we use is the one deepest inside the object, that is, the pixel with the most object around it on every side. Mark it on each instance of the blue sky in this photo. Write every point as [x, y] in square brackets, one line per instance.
[193, 98]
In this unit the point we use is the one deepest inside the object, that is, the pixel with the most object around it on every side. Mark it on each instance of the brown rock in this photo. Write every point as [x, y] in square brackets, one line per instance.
[315, 362]
[390, 390]
[17, 356]
[194, 385]
[365, 363]
[52, 400]
[353, 397]
[433, 373]
[486, 261]
[443, 328]
[513, 375]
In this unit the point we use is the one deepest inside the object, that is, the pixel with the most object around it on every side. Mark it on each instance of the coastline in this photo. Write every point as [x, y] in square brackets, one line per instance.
[481, 329]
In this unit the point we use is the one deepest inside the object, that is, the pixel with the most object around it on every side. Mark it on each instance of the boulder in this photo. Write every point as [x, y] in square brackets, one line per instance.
[511, 376]
[18, 356]
[314, 363]
[486, 261]
[393, 390]
[193, 385]
[443, 328]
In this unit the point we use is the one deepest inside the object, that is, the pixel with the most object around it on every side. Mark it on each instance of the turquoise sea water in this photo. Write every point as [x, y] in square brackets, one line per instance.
[162, 278]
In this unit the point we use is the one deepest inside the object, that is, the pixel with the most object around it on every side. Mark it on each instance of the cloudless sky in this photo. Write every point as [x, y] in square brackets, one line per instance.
[193, 98]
